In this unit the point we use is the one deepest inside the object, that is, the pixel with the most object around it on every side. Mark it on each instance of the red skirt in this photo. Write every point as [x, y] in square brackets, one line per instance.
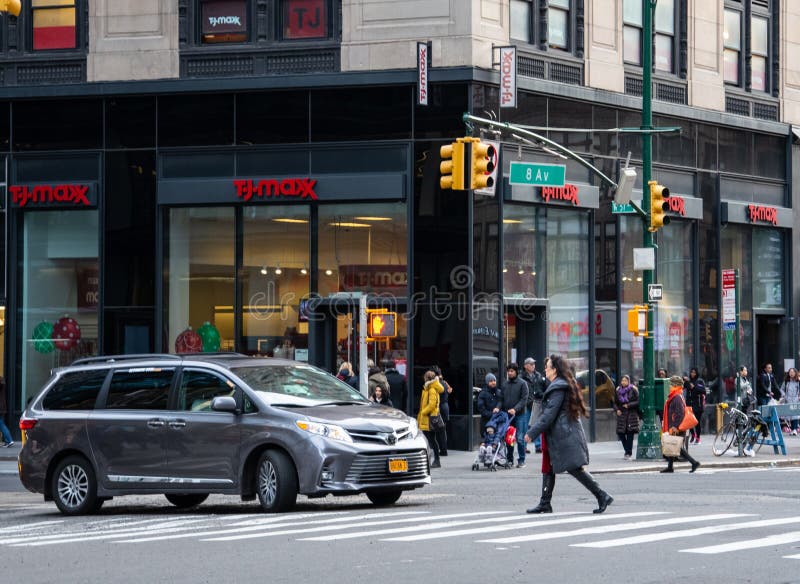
[546, 468]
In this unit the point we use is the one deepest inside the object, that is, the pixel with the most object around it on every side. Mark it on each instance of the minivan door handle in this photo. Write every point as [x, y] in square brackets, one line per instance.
[156, 423]
[177, 423]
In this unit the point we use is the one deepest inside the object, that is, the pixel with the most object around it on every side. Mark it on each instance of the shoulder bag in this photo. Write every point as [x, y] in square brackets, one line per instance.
[436, 422]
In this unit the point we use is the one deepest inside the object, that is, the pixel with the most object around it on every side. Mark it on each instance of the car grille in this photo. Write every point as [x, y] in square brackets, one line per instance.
[374, 468]
[380, 437]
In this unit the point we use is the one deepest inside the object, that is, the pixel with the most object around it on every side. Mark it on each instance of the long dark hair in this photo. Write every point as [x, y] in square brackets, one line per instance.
[575, 404]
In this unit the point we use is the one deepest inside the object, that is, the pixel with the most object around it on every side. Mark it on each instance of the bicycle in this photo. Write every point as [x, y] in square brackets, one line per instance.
[746, 432]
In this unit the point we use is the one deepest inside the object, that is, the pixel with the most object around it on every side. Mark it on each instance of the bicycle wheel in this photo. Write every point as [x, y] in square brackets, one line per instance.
[724, 439]
[755, 440]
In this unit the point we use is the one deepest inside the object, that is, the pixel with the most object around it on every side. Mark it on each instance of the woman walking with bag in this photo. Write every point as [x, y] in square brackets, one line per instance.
[626, 406]
[790, 394]
[563, 441]
[429, 407]
[674, 412]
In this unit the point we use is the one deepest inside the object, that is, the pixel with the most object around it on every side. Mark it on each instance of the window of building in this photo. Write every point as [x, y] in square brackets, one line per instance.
[741, 24]
[54, 24]
[223, 21]
[305, 19]
[664, 20]
[548, 25]
[732, 42]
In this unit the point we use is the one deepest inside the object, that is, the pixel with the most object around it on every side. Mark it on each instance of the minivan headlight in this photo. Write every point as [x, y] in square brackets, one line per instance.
[413, 427]
[327, 430]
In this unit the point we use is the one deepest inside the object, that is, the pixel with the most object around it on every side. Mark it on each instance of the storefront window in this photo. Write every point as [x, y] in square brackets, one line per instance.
[631, 347]
[199, 295]
[274, 280]
[767, 268]
[568, 285]
[59, 293]
[673, 315]
[524, 234]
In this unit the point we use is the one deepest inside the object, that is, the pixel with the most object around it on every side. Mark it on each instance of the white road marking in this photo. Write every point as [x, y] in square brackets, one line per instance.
[264, 522]
[508, 525]
[748, 544]
[365, 524]
[529, 523]
[610, 528]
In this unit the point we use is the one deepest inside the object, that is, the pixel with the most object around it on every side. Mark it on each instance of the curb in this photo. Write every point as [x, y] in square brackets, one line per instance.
[743, 464]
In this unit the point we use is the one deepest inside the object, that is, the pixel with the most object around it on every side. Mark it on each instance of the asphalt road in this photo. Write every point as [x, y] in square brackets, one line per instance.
[717, 525]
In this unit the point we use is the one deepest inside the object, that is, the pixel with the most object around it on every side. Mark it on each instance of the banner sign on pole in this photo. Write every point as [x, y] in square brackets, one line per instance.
[728, 300]
[422, 73]
[508, 77]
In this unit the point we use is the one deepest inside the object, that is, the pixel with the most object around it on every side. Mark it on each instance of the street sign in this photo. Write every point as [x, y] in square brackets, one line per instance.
[728, 300]
[655, 292]
[537, 175]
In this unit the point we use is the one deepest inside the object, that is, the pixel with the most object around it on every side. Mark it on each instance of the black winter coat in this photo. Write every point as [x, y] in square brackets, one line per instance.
[628, 420]
[566, 441]
[488, 401]
[515, 395]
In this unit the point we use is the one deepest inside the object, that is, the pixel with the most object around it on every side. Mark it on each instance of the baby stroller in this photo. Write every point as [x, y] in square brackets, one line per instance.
[492, 451]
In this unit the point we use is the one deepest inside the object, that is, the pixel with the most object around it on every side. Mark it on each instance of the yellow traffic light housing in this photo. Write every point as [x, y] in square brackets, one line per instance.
[11, 6]
[637, 320]
[452, 166]
[482, 157]
[381, 324]
[658, 206]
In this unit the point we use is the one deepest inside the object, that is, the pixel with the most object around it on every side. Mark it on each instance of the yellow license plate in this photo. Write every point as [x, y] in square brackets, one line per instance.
[398, 465]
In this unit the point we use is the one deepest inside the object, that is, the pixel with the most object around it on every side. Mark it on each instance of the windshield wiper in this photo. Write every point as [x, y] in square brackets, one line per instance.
[343, 403]
[289, 405]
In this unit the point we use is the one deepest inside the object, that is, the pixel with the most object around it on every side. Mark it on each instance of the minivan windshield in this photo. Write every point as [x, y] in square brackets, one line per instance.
[298, 385]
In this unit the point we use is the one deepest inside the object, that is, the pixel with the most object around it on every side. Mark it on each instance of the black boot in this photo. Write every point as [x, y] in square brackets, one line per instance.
[587, 480]
[669, 468]
[694, 463]
[548, 482]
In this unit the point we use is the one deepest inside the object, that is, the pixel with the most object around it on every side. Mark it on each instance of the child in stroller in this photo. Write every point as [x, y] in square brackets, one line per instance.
[492, 451]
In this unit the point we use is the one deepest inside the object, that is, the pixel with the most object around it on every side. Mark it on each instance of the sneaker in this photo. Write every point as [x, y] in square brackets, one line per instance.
[627, 457]
[794, 432]
[520, 465]
[436, 464]
[527, 451]
[8, 444]
[538, 451]
[697, 441]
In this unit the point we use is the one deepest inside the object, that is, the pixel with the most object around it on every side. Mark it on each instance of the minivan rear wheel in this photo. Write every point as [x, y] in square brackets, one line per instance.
[187, 501]
[384, 498]
[74, 487]
[276, 482]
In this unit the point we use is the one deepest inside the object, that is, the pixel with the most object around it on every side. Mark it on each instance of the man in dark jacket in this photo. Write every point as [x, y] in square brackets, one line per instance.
[490, 399]
[515, 398]
[536, 386]
[398, 387]
[767, 387]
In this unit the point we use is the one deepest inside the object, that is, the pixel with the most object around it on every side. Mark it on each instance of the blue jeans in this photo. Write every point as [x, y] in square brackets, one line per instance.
[521, 424]
[6, 434]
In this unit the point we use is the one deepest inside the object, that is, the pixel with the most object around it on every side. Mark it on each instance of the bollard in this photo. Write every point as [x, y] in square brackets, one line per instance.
[720, 416]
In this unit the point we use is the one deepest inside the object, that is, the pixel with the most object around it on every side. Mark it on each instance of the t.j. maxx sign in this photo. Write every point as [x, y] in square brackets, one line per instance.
[48, 196]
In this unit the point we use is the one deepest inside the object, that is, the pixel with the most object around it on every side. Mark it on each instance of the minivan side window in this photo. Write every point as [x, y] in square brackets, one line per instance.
[139, 389]
[198, 388]
[75, 391]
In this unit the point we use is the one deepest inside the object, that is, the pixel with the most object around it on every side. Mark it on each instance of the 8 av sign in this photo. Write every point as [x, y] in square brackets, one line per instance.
[537, 175]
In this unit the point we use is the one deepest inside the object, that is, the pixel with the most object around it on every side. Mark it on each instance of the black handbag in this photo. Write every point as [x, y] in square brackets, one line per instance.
[436, 422]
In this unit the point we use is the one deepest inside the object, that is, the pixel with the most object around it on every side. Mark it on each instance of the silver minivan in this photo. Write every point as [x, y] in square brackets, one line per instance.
[191, 425]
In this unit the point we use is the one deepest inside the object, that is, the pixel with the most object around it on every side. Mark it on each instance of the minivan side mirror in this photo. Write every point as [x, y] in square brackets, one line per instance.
[224, 403]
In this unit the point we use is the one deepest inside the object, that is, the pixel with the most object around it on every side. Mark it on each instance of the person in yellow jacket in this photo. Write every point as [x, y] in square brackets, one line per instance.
[429, 406]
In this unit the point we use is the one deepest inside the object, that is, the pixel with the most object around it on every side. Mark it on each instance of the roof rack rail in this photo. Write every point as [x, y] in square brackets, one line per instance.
[115, 358]
[214, 354]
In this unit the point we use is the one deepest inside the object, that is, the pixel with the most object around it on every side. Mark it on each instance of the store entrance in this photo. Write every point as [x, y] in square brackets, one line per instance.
[525, 331]
[767, 344]
[332, 333]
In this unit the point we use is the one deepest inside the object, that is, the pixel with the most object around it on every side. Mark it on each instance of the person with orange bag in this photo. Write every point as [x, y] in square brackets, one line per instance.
[674, 413]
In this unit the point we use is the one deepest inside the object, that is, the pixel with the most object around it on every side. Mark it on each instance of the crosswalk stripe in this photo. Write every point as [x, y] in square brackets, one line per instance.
[747, 544]
[611, 528]
[792, 557]
[650, 537]
[262, 523]
[31, 526]
[423, 527]
[543, 522]
[334, 527]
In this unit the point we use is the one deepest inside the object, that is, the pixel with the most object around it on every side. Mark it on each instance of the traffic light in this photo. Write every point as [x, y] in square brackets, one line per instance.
[658, 207]
[381, 324]
[637, 320]
[11, 6]
[452, 166]
[481, 164]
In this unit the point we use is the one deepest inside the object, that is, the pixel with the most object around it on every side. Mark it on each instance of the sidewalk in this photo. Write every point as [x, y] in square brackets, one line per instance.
[606, 457]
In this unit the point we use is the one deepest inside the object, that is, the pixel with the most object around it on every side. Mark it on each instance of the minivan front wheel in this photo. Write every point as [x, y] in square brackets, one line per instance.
[276, 482]
[74, 487]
